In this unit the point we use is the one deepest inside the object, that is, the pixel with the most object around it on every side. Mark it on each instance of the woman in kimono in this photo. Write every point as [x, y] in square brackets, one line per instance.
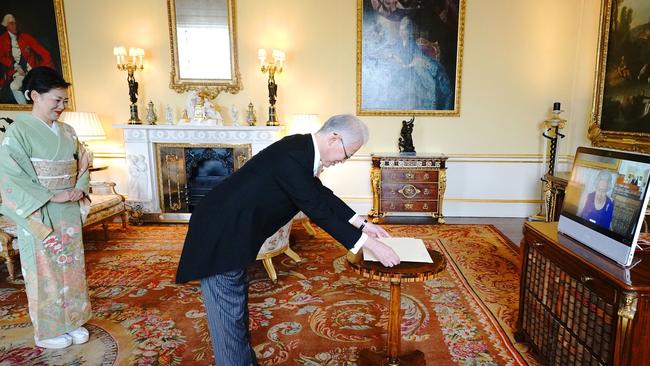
[44, 183]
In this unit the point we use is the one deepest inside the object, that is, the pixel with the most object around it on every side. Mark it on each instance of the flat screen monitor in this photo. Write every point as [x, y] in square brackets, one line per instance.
[605, 201]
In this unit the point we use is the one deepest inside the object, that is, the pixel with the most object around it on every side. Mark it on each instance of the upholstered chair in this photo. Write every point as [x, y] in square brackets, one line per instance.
[7, 251]
[279, 242]
[304, 220]
[275, 245]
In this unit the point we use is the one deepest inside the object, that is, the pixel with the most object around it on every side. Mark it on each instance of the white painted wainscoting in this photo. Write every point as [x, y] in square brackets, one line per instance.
[486, 185]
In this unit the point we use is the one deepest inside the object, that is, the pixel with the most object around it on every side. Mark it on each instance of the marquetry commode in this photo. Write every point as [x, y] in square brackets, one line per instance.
[407, 185]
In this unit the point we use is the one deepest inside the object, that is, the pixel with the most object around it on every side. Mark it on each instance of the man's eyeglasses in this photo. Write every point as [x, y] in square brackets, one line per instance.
[343, 146]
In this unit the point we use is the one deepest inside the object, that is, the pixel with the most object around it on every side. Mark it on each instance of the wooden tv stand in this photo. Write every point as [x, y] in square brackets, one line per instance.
[578, 307]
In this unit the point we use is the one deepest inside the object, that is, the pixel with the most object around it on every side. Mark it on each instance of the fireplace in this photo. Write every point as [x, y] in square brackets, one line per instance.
[157, 179]
[187, 172]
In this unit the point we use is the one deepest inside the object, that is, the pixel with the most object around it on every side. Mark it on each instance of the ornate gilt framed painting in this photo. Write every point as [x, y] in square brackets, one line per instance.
[409, 57]
[32, 33]
[621, 106]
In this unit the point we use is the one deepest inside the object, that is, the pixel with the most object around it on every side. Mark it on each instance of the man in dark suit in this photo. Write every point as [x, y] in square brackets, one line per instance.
[230, 224]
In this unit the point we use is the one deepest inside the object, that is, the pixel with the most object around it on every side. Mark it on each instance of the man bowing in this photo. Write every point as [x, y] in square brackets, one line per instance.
[231, 223]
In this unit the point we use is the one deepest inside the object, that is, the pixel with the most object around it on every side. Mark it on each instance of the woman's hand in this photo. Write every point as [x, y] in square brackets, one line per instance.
[73, 195]
[76, 195]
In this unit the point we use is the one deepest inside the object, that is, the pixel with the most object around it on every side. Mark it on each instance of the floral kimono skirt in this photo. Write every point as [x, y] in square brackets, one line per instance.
[54, 269]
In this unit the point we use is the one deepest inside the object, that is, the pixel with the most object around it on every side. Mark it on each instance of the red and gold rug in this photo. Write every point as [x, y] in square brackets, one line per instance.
[318, 313]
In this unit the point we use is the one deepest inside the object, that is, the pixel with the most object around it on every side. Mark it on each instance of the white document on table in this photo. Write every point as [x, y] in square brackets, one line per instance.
[408, 250]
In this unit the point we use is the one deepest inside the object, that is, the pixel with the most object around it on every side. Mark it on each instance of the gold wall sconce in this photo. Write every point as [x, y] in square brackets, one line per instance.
[271, 67]
[130, 64]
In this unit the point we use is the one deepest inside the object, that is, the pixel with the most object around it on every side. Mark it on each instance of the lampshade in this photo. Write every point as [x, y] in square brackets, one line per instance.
[86, 124]
[305, 123]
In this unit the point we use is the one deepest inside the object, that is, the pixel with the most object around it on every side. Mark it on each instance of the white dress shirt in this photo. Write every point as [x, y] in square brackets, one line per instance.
[15, 50]
[317, 168]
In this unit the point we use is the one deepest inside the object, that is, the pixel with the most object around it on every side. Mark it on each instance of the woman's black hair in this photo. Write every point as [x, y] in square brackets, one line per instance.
[42, 79]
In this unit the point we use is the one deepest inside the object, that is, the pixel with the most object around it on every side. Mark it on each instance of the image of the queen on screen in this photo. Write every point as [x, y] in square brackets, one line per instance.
[608, 193]
[605, 201]
[598, 206]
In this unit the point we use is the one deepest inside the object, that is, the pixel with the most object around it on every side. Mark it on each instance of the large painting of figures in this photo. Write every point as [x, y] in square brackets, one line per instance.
[32, 34]
[409, 57]
[621, 112]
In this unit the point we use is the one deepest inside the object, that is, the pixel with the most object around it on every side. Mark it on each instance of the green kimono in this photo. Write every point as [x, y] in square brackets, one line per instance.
[35, 164]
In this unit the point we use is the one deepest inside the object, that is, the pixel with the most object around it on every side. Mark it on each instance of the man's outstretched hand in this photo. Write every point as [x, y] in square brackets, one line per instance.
[383, 252]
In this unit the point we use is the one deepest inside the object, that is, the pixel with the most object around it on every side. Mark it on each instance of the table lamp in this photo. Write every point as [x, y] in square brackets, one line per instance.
[304, 123]
[87, 126]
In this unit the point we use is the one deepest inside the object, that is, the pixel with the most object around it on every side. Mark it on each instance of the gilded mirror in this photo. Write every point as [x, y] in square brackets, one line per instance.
[204, 46]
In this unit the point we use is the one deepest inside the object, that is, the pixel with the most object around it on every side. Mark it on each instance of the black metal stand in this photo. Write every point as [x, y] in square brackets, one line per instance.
[552, 133]
[553, 146]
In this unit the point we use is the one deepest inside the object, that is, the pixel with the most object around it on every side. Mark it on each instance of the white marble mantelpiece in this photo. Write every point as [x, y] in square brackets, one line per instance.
[140, 149]
[258, 136]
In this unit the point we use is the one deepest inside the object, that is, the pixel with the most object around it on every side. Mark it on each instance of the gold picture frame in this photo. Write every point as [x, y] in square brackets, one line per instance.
[45, 25]
[409, 60]
[619, 119]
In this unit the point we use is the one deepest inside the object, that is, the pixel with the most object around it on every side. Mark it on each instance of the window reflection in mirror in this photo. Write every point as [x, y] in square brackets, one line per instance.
[203, 45]
[200, 23]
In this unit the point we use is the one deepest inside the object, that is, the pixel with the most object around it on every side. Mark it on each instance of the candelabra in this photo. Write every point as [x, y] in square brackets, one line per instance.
[130, 65]
[272, 67]
[552, 133]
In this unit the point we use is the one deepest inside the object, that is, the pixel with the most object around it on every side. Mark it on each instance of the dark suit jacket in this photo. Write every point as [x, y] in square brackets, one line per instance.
[231, 223]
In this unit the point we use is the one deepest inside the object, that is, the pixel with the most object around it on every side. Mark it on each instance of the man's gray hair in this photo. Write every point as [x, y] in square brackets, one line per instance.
[352, 129]
[8, 18]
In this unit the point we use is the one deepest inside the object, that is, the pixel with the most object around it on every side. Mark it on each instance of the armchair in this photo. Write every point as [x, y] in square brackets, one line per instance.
[278, 243]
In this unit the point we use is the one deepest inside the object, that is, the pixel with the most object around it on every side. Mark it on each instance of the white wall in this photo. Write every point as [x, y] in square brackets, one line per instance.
[519, 57]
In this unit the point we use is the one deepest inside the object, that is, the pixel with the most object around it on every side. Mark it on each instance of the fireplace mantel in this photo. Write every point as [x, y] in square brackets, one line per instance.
[259, 136]
[140, 149]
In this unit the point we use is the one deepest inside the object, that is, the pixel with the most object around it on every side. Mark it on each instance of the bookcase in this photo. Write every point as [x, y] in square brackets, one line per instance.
[627, 203]
[577, 307]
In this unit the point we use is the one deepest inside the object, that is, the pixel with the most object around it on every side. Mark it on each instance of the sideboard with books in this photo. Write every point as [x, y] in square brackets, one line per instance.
[578, 307]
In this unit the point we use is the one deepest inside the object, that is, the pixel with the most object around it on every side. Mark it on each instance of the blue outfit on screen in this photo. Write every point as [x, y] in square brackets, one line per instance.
[602, 217]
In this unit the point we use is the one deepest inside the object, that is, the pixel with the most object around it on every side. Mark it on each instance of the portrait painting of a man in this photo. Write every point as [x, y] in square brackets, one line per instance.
[29, 37]
[408, 54]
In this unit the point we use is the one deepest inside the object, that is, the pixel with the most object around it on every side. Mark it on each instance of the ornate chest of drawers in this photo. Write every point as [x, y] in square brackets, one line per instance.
[407, 185]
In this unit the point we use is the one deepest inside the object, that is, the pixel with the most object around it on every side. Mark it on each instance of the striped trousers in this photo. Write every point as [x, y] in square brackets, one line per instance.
[225, 296]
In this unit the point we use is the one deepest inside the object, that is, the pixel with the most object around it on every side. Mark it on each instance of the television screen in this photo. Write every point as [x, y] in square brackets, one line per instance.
[605, 201]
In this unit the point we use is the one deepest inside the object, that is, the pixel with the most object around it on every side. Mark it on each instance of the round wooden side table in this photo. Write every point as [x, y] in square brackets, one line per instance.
[404, 272]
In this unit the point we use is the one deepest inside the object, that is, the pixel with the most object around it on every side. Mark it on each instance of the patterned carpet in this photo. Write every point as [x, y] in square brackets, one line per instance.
[318, 313]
